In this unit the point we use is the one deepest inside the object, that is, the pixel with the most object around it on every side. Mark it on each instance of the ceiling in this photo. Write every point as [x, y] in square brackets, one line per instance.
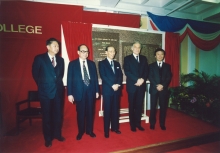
[187, 9]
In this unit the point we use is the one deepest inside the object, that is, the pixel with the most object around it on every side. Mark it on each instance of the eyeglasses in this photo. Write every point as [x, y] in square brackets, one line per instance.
[83, 51]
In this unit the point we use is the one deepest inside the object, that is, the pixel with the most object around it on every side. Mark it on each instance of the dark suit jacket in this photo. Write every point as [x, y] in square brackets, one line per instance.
[154, 77]
[75, 83]
[48, 78]
[109, 78]
[134, 70]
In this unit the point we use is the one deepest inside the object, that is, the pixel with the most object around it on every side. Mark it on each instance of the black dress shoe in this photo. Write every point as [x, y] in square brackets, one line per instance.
[48, 144]
[163, 127]
[152, 127]
[61, 139]
[133, 129]
[116, 131]
[140, 128]
[79, 136]
[106, 135]
[91, 134]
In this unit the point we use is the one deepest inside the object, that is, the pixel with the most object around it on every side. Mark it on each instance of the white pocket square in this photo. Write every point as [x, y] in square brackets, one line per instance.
[117, 67]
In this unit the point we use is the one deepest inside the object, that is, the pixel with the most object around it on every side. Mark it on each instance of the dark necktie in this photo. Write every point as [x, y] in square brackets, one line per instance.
[159, 65]
[86, 76]
[137, 59]
[160, 72]
[112, 66]
[53, 62]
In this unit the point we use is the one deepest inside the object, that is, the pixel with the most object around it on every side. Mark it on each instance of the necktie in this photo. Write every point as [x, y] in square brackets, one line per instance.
[53, 62]
[137, 58]
[112, 66]
[86, 76]
[160, 72]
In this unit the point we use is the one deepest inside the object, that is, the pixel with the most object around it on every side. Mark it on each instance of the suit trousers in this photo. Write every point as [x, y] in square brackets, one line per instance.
[162, 96]
[135, 107]
[111, 112]
[52, 117]
[85, 111]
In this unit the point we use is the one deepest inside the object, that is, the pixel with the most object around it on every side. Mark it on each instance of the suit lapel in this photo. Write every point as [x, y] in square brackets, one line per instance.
[90, 69]
[163, 68]
[109, 66]
[48, 62]
[134, 61]
[78, 68]
[58, 61]
[156, 66]
[115, 68]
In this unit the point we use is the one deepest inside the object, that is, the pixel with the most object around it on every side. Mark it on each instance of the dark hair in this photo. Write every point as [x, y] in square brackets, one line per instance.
[50, 40]
[82, 45]
[106, 49]
[159, 49]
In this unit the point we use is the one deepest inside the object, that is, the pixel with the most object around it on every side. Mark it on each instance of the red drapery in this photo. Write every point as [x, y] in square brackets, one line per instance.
[202, 44]
[76, 34]
[16, 62]
[172, 47]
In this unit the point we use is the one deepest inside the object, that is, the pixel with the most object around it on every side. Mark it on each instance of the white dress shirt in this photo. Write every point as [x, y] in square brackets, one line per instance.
[135, 56]
[51, 59]
[81, 66]
[161, 63]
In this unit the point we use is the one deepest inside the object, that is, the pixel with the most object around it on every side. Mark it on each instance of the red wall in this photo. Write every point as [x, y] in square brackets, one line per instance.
[24, 28]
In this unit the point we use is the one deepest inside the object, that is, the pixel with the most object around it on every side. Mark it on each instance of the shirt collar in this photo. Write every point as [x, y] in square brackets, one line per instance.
[159, 62]
[135, 55]
[81, 60]
[109, 60]
[51, 56]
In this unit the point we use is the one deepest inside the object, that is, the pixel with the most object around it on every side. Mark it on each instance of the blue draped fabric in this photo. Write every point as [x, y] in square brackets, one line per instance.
[171, 24]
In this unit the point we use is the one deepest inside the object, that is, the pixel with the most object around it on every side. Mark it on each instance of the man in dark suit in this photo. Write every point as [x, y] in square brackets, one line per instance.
[136, 71]
[159, 77]
[47, 71]
[111, 75]
[82, 88]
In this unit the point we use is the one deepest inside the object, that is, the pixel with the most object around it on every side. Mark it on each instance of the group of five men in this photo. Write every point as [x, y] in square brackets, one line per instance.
[83, 88]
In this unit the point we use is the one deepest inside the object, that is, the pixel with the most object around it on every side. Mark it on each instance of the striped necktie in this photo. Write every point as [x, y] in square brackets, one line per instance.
[86, 76]
[112, 66]
[53, 62]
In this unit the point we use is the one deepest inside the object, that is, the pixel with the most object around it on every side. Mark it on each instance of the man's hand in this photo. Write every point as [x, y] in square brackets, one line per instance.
[115, 87]
[139, 82]
[97, 95]
[71, 98]
[159, 87]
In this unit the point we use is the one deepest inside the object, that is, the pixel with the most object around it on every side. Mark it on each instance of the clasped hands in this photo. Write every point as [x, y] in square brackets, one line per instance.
[115, 87]
[159, 87]
[139, 82]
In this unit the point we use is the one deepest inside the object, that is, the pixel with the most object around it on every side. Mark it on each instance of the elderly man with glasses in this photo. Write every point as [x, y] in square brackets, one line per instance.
[82, 88]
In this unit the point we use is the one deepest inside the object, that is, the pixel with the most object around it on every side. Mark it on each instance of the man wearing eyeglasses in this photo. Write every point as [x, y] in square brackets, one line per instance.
[82, 88]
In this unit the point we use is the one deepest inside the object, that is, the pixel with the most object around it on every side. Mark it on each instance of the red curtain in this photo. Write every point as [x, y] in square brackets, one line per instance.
[76, 34]
[172, 47]
[16, 62]
[200, 43]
